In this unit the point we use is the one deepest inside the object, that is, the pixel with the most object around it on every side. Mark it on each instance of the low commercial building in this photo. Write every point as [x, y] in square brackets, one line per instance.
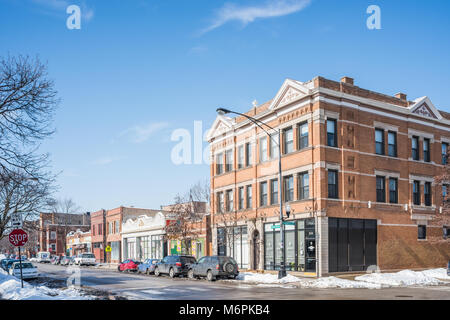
[79, 242]
[143, 236]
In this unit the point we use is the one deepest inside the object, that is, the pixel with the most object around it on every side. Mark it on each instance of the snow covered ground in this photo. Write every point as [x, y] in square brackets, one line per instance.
[402, 278]
[10, 289]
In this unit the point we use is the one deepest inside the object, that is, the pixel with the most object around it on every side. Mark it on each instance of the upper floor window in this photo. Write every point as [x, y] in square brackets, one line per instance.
[240, 155]
[230, 204]
[303, 136]
[393, 190]
[415, 148]
[228, 160]
[274, 191]
[263, 194]
[422, 232]
[220, 205]
[263, 149]
[241, 198]
[219, 163]
[303, 185]
[288, 140]
[288, 188]
[333, 184]
[117, 225]
[392, 144]
[427, 193]
[444, 152]
[249, 197]
[444, 193]
[274, 146]
[379, 141]
[426, 150]
[381, 189]
[416, 193]
[248, 154]
[331, 133]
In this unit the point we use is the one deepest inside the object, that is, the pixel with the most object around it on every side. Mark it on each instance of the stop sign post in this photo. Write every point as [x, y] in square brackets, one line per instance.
[18, 238]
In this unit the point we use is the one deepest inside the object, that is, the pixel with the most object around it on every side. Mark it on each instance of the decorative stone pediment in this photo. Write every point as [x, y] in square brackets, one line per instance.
[425, 111]
[425, 108]
[289, 92]
[220, 126]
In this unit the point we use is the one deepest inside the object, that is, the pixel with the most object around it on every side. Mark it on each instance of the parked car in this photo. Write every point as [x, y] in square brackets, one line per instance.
[174, 265]
[7, 264]
[34, 259]
[213, 267]
[55, 260]
[3, 263]
[66, 260]
[148, 266]
[129, 265]
[29, 271]
[43, 257]
[85, 259]
[448, 268]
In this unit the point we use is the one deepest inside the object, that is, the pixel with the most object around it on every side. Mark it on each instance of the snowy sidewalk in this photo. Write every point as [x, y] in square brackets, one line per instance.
[404, 278]
[10, 289]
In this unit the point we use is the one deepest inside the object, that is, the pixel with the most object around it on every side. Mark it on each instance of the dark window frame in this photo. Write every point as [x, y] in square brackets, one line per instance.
[287, 194]
[332, 136]
[415, 151]
[303, 141]
[333, 189]
[303, 190]
[392, 148]
[416, 194]
[286, 142]
[393, 194]
[380, 192]
[427, 195]
[379, 145]
[263, 197]
[426, 153]
[421, 232]
[274, 191]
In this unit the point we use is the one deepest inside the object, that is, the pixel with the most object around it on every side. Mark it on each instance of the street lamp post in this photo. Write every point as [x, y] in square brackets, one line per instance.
[282, 271]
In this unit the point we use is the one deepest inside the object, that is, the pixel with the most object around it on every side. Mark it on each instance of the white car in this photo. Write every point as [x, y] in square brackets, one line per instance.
[85, 259]
[28, 270]
[43, 256]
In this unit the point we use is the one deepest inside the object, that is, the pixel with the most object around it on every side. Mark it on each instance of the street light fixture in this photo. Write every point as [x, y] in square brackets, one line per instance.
[223, 111]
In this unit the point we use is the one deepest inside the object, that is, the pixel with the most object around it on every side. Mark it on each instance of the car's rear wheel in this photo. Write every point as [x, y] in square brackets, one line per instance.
[210, 276]
[118, 268]
[190, 274]
[172, 273]
[157, 272]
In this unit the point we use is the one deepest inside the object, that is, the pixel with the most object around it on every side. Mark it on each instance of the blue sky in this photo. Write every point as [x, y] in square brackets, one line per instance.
[137, 70]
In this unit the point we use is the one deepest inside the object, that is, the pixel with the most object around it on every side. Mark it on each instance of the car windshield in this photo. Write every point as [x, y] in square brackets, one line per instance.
[24, 266]
[88, 255]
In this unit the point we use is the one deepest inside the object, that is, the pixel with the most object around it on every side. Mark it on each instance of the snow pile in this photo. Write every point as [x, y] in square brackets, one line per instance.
[265, 278]
[439, 273]
[10, 289]
[402, 278]
[334, 282]
[2, 256]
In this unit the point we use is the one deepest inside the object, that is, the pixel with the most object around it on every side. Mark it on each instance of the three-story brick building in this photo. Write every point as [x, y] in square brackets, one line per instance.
[358, 172]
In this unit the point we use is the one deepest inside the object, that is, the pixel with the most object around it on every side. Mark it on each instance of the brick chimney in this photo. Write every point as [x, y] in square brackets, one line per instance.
[347, 80]
[401, 96]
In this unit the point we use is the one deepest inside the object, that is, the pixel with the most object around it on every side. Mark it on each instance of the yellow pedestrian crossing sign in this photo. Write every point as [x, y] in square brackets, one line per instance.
[108, 249]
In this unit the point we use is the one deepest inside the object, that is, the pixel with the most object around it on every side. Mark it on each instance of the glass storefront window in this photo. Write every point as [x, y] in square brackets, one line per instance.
[300, 246]
[234, 243]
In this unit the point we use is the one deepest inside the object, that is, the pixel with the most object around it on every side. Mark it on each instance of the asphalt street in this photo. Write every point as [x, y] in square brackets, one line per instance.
[137, 286]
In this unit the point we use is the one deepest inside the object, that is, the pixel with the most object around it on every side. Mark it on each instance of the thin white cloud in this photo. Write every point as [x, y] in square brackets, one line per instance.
[141, 133]
[248, 14]
[105, 160]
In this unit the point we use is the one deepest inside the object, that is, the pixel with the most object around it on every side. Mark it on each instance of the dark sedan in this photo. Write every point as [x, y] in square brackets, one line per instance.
[7, 263]
[148, 266]
[174, 265]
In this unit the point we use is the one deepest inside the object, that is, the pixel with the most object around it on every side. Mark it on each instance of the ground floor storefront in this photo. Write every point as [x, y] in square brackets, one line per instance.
[144, 246]
[193, 247]
[323, 245]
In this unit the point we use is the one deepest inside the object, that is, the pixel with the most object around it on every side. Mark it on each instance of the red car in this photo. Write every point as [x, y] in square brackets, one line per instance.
[128, 265]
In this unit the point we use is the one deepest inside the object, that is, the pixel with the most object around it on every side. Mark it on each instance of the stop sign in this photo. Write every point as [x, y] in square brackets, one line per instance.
[18, 237]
